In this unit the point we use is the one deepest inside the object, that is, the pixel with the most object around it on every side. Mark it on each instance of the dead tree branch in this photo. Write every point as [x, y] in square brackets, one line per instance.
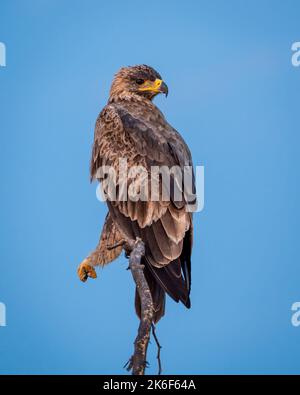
[137, 363]
[158, 349]
[135, 250]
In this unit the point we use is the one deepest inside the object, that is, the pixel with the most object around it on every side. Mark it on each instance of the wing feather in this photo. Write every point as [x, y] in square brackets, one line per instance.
[147, 140]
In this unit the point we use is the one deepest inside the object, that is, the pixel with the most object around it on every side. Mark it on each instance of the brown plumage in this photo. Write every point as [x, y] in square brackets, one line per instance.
[131, 126]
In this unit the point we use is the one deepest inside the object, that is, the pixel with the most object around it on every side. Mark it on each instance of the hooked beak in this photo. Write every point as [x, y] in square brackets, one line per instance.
[157, 86]
[164, 88]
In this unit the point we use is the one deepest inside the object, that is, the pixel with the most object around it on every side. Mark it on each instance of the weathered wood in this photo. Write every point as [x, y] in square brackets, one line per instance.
[138, 363]
[158, 349]
[135, 249]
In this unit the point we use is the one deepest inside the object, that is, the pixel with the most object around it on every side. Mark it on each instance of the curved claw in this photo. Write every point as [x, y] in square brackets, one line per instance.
[85, 270]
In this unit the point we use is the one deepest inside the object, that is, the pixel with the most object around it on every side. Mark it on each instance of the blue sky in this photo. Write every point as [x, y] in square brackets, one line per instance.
[234, 96]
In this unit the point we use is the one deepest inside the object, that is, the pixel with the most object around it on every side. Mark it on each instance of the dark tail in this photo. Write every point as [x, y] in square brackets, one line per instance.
[175, 278]
[158, 297]
[172, 279]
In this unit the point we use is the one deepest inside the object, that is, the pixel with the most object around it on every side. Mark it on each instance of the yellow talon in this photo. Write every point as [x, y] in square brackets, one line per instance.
[85, 270]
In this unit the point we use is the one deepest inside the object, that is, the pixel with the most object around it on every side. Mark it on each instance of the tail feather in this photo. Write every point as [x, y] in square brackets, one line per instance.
[175, 277]
[171, 280]
[158, 297]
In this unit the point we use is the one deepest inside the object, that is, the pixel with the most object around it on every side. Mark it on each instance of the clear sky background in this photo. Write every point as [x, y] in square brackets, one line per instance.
[234, 96]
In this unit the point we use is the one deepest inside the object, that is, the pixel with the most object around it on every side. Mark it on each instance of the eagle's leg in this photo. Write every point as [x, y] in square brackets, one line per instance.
[108, 249]
[85, 270]
[86, 267]
[100, 256]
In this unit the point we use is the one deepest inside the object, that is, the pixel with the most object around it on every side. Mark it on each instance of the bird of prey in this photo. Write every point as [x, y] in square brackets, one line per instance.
[131, 126]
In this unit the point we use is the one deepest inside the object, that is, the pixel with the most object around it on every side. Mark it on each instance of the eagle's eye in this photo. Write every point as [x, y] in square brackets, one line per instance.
[139, 81]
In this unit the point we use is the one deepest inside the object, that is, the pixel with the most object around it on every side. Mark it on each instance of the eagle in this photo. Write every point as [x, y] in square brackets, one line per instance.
[131, 126]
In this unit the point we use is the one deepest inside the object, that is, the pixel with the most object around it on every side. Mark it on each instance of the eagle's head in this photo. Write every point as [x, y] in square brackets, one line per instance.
[140, 80]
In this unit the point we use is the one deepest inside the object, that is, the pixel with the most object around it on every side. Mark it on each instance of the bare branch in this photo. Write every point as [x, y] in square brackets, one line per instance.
[135, 250]
[158, 349]
[137, 362]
